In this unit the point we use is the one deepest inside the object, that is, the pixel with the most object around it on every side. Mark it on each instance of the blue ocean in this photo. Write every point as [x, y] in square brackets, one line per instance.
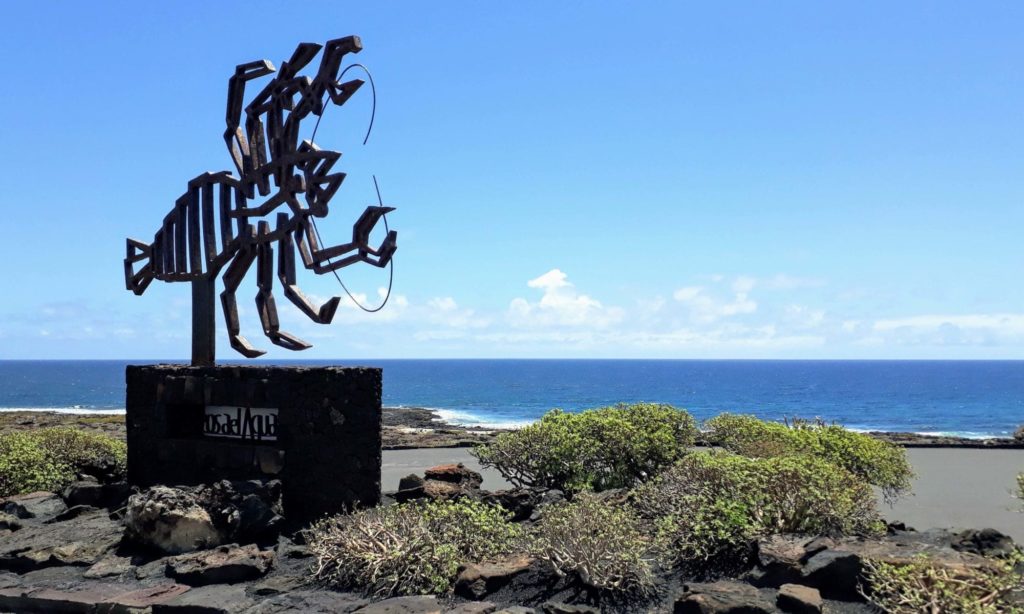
[967, 398]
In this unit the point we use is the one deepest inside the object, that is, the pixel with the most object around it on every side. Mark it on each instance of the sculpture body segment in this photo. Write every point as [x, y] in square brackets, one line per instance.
[216, 223]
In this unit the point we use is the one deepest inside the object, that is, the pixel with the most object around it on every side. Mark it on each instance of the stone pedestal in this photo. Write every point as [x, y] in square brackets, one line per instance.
[317, 429]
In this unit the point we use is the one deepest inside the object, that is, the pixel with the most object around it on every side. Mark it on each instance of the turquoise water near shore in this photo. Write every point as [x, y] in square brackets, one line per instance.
[966, 398]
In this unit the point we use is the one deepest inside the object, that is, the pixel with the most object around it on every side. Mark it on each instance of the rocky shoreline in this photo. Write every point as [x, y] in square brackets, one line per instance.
[403, 428]
[406, 428]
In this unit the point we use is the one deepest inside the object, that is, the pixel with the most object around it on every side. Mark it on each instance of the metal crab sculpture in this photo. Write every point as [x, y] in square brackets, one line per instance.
[211, 225]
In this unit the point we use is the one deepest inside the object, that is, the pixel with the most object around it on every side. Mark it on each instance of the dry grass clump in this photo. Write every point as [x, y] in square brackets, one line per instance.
[601, 545]
[409, 549]
[923, 586]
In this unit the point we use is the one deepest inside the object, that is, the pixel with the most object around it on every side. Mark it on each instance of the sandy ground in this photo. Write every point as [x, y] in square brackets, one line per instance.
[954, 488]
[963, 488]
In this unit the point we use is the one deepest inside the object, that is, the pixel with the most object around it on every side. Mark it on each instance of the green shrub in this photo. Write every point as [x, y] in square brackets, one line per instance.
[710, 505]
[1020, 486]
[86, 451]
[51, 458]
[597, 449]
[25, 466]
[880, 463]
[599, 544]
[409, 549]
[923, 586]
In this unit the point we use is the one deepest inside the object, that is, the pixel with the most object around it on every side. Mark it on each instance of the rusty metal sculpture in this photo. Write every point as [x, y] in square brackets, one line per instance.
[211, 224]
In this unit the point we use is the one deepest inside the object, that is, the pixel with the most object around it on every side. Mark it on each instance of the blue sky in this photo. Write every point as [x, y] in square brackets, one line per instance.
[741, 180]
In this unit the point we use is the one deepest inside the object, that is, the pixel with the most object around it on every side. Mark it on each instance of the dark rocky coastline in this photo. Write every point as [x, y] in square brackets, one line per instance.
[416, 427]
[404, 427]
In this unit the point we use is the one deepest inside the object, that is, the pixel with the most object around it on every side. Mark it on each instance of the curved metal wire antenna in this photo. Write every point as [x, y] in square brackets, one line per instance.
[369, 128]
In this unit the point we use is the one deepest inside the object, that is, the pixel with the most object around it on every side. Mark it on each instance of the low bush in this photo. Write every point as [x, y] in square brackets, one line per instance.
[93, 453]
[597, 449]
[51, 458]
[25, 466]
[922, 586]
[409, 549]
[598, 544]
[710, 505]
[1020, 486]
[880, 463]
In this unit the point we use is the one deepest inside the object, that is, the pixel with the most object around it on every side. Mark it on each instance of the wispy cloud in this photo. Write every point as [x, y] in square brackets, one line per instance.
[737, 315]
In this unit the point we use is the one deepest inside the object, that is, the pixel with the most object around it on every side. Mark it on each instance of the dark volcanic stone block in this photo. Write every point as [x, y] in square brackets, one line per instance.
[327, 451]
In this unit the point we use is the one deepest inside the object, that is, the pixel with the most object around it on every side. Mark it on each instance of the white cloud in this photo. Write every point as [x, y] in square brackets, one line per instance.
[716, 316]
[788, 282]
[704, 308]
[804, 317]
[1006, 323]
[560, 305]
[445, 311]
[966, 329]
[687, 293]
[743, 284]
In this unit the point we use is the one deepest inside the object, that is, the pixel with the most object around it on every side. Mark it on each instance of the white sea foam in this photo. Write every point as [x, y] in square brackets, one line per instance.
[960, 434]
[963, 434]
[465, 418]
[75, 409]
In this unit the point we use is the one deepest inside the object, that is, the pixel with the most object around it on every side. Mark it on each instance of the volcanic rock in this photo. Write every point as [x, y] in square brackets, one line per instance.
[85, 492]
[986, 542]
[221, 565]
[456, 474]
[207, 600]
[477, 580]
[80, 541]
[557, 607]
[38, 504]
[309, 602]
[723, 597]
[171, 520]
[420, 604]
[799, 599]
[9, 522]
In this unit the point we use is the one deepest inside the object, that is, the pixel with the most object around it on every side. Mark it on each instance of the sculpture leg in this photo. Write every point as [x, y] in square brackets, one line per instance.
[265, 304]
[286, 274]
[232, 278]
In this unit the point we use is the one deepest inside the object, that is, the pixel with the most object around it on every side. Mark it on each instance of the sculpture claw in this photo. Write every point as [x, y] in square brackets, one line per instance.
[288, 341]
[243, 347]
[326, 313]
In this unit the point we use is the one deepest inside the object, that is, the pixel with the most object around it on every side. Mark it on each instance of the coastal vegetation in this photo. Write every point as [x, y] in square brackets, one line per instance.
[636, 499]
[598, 449]
[877, 462]
[52, 458]
[708, 508]
[625, 507]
